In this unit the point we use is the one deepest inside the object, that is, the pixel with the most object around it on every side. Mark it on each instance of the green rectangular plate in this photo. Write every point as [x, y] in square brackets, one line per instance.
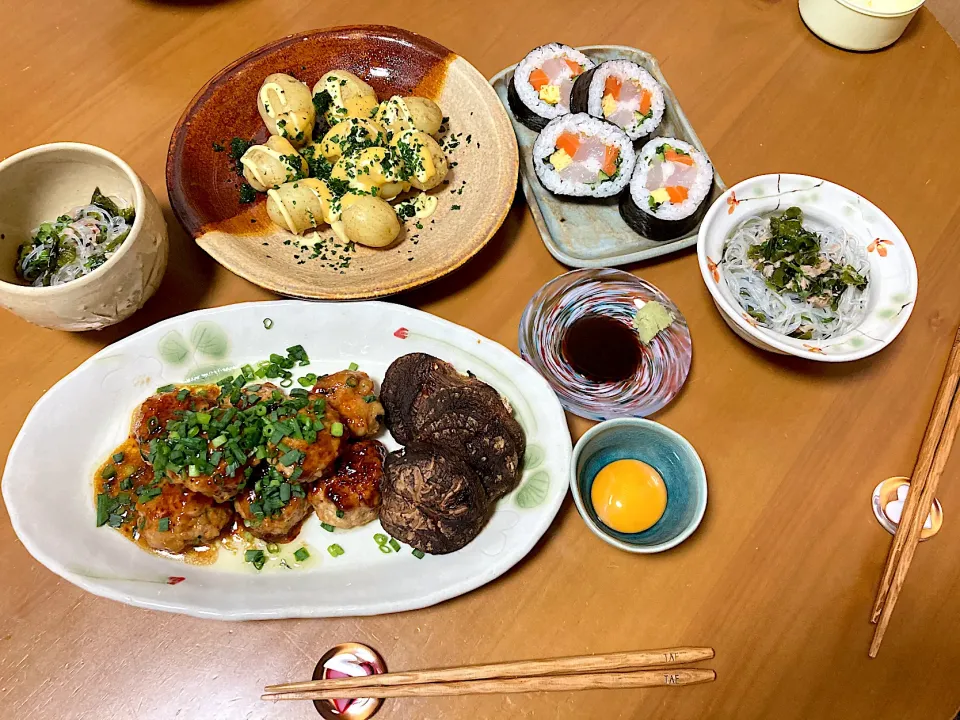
[591, 233]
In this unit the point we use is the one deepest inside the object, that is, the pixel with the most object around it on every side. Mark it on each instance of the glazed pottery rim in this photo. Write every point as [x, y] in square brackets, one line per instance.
[648, 425]
[768, 340]
[139, 206]
[178, 137]
[528, 352]
[882, 14]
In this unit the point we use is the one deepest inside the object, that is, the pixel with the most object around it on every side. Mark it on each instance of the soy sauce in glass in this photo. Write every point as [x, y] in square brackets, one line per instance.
[602, 348]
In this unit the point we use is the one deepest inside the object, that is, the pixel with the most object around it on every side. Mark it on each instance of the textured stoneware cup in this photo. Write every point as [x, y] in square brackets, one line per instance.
[44, 182]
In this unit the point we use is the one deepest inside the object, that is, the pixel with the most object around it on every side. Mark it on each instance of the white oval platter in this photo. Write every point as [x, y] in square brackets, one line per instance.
[49, 495]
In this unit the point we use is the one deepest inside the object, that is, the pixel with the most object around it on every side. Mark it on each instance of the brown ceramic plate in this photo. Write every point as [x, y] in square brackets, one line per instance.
[204, 189]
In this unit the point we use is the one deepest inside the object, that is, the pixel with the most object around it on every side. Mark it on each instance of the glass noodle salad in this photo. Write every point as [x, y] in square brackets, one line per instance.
[794, 281]
[76, 244]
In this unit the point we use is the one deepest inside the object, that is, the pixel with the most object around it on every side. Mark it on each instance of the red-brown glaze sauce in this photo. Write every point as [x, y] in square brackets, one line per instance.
[356, 480]
[353, 482]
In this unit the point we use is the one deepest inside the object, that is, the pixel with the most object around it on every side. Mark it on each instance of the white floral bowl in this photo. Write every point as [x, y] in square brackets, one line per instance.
[44, 182]
[893, 271]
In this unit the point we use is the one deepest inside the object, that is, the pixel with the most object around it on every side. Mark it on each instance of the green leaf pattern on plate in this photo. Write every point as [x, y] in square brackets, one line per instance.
[209, 339]
[534, 490]
[173, 348]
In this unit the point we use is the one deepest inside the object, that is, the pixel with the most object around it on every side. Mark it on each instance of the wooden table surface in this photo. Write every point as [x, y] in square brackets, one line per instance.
[781, 575]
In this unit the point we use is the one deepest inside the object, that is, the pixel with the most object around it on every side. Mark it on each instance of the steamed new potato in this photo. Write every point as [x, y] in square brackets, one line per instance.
[399, 114]
[425, 114]
[347, 134]
[375, 151]
[349, 96]
[272, 164]
[424, 157]
[371, 221]
[301, 205]
[369, 168]
[286, 106]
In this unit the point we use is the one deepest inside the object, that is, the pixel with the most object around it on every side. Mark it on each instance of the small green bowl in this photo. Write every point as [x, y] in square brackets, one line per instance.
[669, 453]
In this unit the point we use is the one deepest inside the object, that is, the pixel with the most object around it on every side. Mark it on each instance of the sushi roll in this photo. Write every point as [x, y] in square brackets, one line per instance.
[583, 156]
[621, 92]
[668, 190]
[540, 88]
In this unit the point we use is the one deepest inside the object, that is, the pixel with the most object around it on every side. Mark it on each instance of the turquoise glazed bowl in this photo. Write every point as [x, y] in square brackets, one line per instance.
[669, 453]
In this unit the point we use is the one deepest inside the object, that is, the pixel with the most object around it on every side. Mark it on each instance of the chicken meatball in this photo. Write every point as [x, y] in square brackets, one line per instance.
[351, 496]
[151, 418]
[177, 519]
[280, 526]
[320, 446]
[352, 395]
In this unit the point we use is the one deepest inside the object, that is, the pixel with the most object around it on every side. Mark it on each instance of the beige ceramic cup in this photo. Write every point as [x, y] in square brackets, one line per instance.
[44, 182]
[853, 25]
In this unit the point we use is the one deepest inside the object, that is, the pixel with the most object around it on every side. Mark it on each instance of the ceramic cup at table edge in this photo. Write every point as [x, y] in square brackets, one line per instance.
[118, 288]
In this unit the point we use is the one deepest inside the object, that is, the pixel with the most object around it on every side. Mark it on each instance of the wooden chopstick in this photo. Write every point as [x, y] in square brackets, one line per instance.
[913, 506]
[912, 539]
[666, 677]
[631, 660]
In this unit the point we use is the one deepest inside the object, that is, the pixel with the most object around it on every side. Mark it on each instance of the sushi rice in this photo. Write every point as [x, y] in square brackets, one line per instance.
[590, 95]
[649, 208]
[534, 111]
[586, 160]
[696, 193]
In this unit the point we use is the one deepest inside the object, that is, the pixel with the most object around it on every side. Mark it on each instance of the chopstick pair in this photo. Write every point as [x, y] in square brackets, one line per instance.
[582, 672]
[934, 451]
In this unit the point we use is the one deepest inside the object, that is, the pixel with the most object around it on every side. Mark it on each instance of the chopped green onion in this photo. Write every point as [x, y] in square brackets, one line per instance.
[301, 554]
[193, 471]
[395, 545]
[183, 394]
[339, 513]
[418, 554]
[336, 429]
[267, 323]
[304, 381]
[327, 527]
[290, 458]
[353, 367]
[286, 382]
[273, 548]
[380, 538]
[369, 398]
[256, 558]
[203, 418]
[118, 457]
[108, 472]
[351, 382]
[248, 371]
[335, 550]
[165, 389]
[163, 525]
[105, 505]
[219, 440]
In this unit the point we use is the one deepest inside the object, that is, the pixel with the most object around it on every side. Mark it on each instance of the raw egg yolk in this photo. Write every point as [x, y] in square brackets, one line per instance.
[629, 496]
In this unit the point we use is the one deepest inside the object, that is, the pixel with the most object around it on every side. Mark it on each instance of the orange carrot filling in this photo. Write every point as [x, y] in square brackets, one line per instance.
[569, 143]
[677, 193]
[574, 66]
[646, 100]
[674, 156]
[538, 78]
[610, 155]
[612, 87]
